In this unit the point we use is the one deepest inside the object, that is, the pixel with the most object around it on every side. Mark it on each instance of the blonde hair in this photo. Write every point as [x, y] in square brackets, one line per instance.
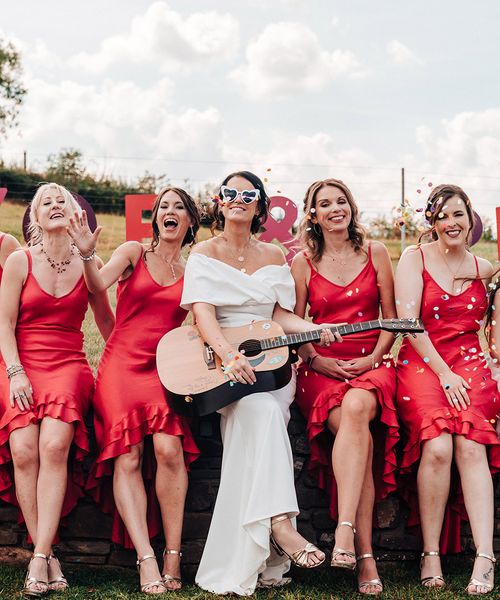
[34, 230]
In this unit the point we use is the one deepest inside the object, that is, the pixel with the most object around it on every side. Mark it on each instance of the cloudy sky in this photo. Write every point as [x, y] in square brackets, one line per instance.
[305, 88]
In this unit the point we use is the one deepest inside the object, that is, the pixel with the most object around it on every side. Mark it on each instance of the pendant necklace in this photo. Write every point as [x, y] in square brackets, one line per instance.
[240, 256]
[169, 263]
[58, 265]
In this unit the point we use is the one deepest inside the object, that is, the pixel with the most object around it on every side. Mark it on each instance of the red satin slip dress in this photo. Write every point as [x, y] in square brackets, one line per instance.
[318, 394]
[453, 323]
[50, 345]
[130, 402]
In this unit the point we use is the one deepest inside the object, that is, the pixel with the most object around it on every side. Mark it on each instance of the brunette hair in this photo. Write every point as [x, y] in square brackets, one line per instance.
[34, 233]
[437, 200]
[494, 287]
[189, 205]
[263, 202]
[310, 234]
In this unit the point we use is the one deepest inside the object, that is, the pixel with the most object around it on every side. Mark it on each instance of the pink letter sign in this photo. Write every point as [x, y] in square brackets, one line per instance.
[135, 227]
[3, 193]
[281, 230]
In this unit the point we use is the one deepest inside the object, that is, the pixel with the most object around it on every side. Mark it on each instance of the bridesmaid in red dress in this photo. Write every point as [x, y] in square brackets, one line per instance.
[45, 381]
[346, 391]
[144, 447]
[446, 398]
[8, 244]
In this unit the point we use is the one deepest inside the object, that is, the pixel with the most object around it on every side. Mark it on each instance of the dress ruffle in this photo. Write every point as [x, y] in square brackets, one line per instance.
[385, 429]
[57, 407]
[133, 429]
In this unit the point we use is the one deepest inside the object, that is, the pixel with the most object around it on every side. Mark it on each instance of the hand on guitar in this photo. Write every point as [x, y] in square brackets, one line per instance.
[331, 367]
[238, 369]
[327, 335]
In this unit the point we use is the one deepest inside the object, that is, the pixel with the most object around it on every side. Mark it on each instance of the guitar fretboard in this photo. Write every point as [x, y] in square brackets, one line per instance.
[315, 335]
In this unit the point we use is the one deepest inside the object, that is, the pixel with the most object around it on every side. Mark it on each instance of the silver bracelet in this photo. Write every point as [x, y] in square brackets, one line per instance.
[14, 369]
[91, 256]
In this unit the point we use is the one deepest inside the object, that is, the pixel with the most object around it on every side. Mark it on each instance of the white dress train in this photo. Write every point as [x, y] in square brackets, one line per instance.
[257, 480]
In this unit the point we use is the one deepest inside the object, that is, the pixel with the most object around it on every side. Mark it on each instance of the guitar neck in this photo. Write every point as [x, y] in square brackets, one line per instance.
[296, 339]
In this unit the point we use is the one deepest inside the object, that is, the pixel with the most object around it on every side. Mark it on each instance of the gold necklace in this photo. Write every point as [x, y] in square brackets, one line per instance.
[58, 265]
[341, 261]
[169, 263]
[240, 256]
[454, 273]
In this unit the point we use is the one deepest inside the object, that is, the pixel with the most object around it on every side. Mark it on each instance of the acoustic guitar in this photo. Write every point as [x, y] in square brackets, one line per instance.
[194, 375]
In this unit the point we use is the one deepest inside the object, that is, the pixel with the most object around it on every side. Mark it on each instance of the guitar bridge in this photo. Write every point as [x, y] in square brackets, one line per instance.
[208, 355]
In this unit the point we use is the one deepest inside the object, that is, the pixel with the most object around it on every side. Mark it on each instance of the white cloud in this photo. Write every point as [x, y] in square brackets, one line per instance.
[288, 58]
[164, 37]
[401, 54]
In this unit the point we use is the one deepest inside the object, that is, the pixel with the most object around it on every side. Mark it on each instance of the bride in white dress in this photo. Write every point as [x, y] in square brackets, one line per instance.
[232, 280]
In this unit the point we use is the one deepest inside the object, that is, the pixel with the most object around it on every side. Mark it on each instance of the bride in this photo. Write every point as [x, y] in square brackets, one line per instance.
[232, 280]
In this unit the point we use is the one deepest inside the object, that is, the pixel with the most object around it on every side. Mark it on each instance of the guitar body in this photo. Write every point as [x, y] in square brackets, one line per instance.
[194, 376]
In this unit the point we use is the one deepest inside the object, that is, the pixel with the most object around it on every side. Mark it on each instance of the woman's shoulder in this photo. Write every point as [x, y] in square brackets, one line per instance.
[377, 248]
[485, 267]
[273, 253]
[206, 248]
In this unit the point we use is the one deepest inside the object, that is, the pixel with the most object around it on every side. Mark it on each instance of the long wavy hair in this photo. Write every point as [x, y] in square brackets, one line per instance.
[435, 203]
[35, 232]
[189, 205]
[310, 234]
[263, 202]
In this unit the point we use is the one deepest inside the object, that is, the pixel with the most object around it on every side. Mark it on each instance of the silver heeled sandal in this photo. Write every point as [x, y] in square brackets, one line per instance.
[29, 592]
[373, 582]
[300, 557]
[58, 584]
[477, 582]
[158, 583]
[166, 578]
[434, 581]
[336, 552]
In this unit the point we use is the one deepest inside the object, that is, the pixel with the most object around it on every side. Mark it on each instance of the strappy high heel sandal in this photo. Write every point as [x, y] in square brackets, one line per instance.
[28, 590]
[371, 582]
[58, 584]
[158, 583]
[436, 581]
[299, 558]
[477, 582]
[166, 578]
[336, 552]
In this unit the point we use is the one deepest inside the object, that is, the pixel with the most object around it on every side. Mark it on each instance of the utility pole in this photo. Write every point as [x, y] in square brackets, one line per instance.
[403, 227]
[25, 160]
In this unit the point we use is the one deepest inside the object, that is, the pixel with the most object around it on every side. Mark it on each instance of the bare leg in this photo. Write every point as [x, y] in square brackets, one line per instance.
[351, 425]
[433, 481]
[171, 489]
[24, 449]
[477, 487]
[131, 502]
[367, 568]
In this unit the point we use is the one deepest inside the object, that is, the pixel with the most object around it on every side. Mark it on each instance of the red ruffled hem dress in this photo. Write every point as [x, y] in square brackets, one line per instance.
[50, 346]
[453, 323]
[130, 402]
[318, 394]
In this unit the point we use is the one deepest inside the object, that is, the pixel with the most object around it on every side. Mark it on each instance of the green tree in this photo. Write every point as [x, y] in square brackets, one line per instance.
[67, 166]
[12, 91]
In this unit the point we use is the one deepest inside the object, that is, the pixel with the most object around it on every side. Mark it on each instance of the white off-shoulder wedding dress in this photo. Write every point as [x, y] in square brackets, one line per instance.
[257, 480]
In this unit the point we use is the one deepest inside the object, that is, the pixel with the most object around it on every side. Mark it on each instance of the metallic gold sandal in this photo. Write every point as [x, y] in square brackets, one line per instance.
[150, 584]
[477, 582]
[29, 592]
[434, 581]
[374, 582]
[299, 558]
[336, 552]
[59, 584]
[166, 578]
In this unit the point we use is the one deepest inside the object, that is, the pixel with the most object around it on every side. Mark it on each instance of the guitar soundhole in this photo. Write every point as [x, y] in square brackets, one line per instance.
[250, 348]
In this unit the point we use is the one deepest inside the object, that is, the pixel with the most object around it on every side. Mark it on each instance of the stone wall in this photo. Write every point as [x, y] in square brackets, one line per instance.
[86, 536]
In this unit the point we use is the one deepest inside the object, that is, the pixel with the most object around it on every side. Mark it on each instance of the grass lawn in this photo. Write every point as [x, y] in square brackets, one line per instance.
[401, 583]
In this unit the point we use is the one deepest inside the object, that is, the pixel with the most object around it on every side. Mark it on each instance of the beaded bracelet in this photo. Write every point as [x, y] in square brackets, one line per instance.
[89, 257]
[15, 369]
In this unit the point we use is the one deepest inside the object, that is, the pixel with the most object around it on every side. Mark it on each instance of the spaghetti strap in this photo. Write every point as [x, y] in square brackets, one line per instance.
[477, 267]
[422, 255]
[30, 260]
[310, 264]
[370, 252]
[2, 235]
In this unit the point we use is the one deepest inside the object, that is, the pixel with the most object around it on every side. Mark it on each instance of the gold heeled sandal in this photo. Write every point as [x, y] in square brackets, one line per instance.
[436, 581]
[58, 584]
[150, 584]
[336, 552]
[28, 591]
[371, 582]
[166, 578]
[477, 582]
[299, 558]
